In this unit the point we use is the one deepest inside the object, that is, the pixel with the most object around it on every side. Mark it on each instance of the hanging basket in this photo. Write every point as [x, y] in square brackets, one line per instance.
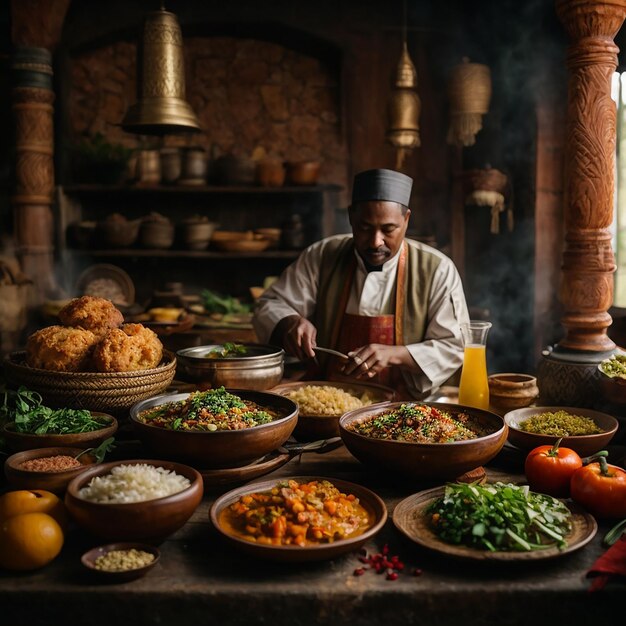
[488, 187]
[469, 91]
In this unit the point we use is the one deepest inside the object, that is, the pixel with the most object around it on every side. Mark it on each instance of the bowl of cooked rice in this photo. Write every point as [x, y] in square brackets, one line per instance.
[217, 428]
[322, 403]
[139, 500]
[423, 441]
[583, 430]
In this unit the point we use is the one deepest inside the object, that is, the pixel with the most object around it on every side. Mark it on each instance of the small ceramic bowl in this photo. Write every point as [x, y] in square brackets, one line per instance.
[56, 482]
[89, 561]
[584, 445]
[512, 391]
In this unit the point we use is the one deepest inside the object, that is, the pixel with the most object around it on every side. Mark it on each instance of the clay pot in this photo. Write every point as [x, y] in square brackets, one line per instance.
[117, 232]
[156, 232]
[303, 172]
[512, 391]
[196, 232]
[194, 166]
[270, 173]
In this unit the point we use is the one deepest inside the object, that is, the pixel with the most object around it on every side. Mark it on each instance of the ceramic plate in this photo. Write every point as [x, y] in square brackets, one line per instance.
[409, 519]
[375, 507]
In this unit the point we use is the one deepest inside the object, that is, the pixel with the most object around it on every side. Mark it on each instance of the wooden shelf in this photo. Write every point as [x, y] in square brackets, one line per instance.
[86, 189]
[186, 254]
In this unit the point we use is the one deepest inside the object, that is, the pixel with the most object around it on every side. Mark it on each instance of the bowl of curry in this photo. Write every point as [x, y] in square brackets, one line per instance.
[215, 429]
[425, 441]
[300, 518]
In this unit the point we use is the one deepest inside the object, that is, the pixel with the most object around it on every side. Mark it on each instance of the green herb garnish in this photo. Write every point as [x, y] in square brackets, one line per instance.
[499, 517]
[227, 350]
[31, 417]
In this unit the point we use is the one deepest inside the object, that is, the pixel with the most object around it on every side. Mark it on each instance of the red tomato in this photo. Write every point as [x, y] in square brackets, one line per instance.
[550, 468]
[601, 489]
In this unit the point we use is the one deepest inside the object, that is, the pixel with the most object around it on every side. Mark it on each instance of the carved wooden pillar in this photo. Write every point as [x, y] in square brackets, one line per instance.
[567, 375]
[34, 168]
[35, 30]
[588, 262]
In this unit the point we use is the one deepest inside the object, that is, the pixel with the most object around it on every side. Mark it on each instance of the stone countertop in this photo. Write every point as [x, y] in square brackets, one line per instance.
[202, 580]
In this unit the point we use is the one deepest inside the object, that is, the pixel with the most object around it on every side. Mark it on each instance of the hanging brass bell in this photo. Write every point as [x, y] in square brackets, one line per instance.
[161, 107]
[404, 108]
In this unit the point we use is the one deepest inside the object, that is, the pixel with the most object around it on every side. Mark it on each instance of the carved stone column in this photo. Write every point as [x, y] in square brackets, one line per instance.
[568, 373]
[32, 97]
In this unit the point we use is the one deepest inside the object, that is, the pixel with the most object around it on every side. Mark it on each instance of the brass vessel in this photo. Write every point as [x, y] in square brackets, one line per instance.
[161, 107]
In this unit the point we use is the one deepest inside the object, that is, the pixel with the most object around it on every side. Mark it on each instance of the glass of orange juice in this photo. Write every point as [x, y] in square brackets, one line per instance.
[474, 388]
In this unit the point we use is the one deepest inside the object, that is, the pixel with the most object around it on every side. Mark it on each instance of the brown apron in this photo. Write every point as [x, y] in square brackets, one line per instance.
[353, 331]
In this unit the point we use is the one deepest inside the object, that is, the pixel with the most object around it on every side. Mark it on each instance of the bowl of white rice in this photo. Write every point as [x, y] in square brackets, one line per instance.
[134, 500]
[322, 403]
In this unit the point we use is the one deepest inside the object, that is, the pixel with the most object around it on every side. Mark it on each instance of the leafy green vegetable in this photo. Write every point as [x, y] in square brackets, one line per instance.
[499, 517]
[30, 416]
[227, 350]
[216, 303]
[100, 452]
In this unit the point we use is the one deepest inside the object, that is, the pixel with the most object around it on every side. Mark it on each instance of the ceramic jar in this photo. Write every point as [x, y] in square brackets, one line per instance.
[194, 166]
[270, 173]
[196, 232]
[148, 167]
[171, 165]
[512, 391]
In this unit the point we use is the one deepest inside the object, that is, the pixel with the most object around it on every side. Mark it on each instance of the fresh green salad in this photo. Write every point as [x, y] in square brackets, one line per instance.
[499, 516]
[30, 416]
[214, 302]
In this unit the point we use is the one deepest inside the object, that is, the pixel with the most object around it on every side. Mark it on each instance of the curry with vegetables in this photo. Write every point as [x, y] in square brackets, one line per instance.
[296, 514]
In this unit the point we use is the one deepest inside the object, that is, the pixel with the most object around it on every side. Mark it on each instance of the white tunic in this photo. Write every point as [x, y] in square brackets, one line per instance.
[437, 357]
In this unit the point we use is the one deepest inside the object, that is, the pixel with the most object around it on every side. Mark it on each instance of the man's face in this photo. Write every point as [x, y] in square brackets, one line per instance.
[378, 228]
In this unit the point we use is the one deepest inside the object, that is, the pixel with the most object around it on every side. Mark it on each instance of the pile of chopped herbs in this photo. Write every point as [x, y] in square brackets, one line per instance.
[215, 409]
[499, 517]
[416, 423]
[30, 416]
[214, 302]
[228, 350]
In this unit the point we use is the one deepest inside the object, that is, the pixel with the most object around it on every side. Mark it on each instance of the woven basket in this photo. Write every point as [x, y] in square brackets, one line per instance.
[112, 392]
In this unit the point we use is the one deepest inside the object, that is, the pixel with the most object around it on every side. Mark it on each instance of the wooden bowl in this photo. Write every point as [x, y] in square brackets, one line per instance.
[110, 392]
[311, 427]
[21, 441]
[56, 482]
[368, 499]
[149, 520]
[89, 561]
[258, 244]
[425, 461]
[585, 445]
[222, 448]
[612, 388]
[512, 391]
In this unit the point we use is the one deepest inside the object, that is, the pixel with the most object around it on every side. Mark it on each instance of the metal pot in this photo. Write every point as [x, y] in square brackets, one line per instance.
[260, 368]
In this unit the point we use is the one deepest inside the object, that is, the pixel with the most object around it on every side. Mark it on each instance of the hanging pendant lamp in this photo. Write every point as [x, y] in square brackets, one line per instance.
[404, 109]
[161, 107]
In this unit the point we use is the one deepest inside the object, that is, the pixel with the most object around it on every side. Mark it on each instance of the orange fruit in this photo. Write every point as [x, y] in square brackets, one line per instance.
[29, 541]
[23, 501]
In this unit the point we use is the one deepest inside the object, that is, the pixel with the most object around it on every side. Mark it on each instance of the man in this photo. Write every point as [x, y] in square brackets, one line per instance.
[393, 305]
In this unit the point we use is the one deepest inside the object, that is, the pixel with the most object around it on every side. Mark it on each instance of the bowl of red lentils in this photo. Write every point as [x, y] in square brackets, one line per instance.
[121, 562]
[46, 468]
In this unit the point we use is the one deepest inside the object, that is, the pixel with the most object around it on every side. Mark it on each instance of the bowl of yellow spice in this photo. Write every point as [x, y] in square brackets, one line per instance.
[583, 430]
[121, 562]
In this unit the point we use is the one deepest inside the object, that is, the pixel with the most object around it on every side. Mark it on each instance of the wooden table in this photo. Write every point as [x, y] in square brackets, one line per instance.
[200, 580]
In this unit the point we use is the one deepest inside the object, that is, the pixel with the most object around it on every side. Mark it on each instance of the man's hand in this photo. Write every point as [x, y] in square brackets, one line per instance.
[297, 336]
[367, 361]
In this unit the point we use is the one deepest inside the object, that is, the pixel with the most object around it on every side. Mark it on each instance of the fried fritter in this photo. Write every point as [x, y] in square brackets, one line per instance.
[95, 314]
[61, 349]
[131, 347]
